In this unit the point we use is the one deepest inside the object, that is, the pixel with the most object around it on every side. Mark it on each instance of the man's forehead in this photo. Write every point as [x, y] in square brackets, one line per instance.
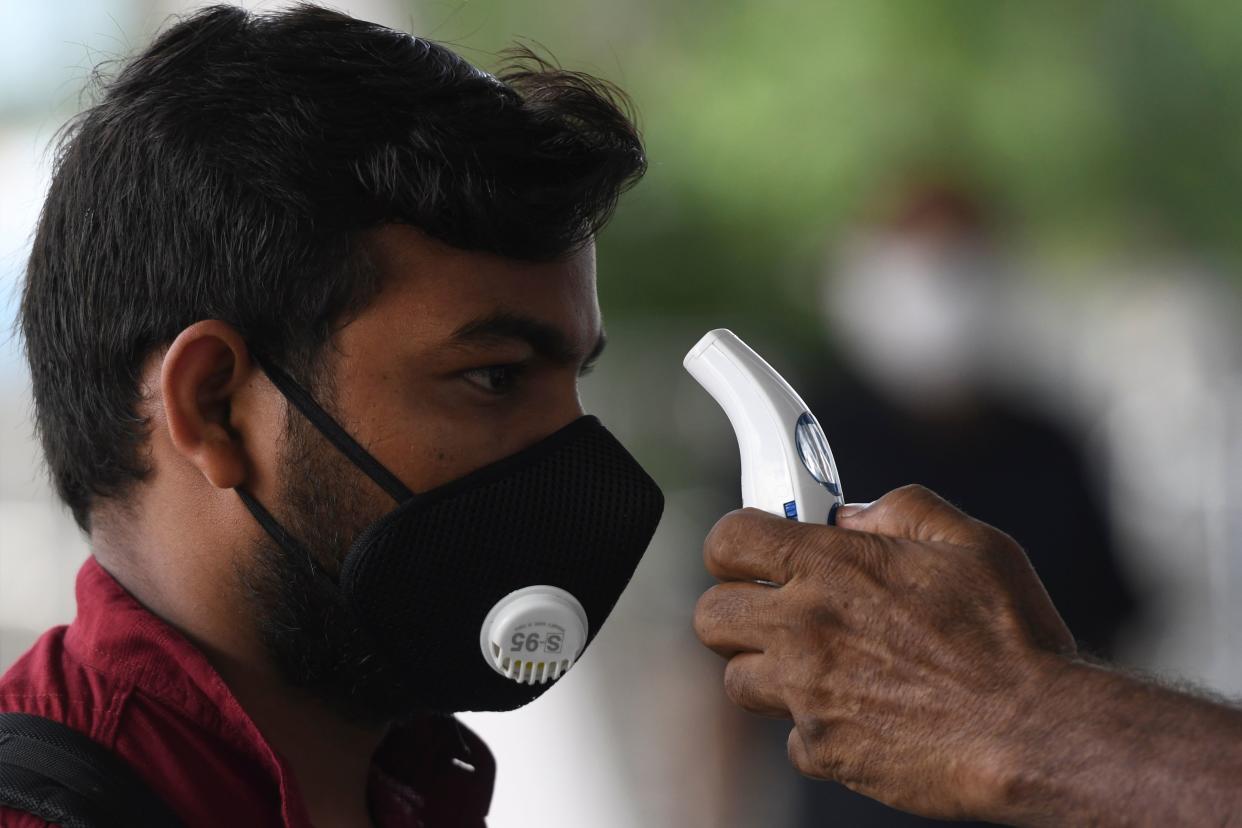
[439, 289]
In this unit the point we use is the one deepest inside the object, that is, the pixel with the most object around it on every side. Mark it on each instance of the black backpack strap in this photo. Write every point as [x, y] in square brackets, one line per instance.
[62, 776]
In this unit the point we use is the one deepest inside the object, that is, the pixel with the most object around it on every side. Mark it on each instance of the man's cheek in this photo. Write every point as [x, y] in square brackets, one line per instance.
[440, 451]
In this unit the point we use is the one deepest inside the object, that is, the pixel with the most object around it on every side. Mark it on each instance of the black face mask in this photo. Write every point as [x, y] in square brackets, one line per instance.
[483, 591]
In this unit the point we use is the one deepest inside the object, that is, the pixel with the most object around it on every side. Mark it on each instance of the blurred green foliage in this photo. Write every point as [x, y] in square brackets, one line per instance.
[771, 126]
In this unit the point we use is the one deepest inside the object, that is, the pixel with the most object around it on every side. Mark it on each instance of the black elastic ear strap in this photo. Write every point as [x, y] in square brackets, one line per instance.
[272, 526]
[336, 435]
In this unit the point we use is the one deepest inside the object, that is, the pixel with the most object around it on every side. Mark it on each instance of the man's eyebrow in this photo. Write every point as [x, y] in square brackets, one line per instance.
[548, 341]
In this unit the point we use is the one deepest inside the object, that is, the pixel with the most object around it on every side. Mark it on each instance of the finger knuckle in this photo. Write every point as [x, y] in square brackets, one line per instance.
[975, 535]
[812, 619]
[992, 549]
[796, 750]
[796, 686]
[813, 728]
[809, 749]
[807, 694]
[912, 494]
[723, 536]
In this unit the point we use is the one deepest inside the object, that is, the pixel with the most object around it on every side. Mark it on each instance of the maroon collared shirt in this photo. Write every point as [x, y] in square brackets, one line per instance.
[131, 682]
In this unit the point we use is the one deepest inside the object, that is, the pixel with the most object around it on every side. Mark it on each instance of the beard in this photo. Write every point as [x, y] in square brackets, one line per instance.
[300, 615]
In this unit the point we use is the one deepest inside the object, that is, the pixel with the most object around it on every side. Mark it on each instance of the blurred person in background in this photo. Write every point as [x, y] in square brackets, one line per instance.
[285, 253]
[920, 308]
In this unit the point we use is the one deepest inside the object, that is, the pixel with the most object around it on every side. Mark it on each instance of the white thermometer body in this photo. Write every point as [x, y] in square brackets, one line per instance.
[787, 467]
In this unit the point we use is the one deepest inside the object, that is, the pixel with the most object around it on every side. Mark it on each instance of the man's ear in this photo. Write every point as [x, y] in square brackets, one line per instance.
[203, 369]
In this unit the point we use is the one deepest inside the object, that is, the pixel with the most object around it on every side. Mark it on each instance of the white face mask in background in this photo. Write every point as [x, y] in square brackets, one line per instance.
[912, 315]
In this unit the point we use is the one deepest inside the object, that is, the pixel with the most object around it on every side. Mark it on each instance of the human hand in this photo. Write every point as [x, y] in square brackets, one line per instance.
[904, 644]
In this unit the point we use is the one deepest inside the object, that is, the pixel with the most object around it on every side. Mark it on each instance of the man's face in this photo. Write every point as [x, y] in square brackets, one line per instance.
[462, 359]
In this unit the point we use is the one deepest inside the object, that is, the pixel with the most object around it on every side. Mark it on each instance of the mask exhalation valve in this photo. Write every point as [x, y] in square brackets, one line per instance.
[534, 634]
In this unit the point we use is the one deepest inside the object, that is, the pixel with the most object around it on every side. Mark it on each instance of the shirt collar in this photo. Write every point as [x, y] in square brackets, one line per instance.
[429, 764]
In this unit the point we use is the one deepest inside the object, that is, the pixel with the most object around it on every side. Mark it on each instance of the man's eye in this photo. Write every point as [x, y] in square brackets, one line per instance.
[495, 379]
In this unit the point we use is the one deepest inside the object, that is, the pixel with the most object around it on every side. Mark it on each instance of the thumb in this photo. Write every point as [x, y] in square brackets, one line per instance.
[914, 513]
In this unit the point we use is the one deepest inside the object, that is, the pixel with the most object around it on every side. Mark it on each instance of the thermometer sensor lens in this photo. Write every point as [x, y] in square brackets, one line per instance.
[815, 454]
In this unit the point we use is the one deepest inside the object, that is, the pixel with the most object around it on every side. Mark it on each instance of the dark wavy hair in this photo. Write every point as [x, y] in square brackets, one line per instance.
[229, 171]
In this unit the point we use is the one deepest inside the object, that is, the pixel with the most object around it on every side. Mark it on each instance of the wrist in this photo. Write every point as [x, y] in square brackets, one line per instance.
[1017, 774]
[1088, 745]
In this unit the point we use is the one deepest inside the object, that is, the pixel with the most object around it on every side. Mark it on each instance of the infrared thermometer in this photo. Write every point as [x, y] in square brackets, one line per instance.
[787, 467]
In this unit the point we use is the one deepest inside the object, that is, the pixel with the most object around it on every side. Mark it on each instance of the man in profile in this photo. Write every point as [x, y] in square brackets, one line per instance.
[305, 316]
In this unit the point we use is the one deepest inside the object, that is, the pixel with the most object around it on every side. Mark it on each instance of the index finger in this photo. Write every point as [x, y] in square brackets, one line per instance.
[752, 545]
